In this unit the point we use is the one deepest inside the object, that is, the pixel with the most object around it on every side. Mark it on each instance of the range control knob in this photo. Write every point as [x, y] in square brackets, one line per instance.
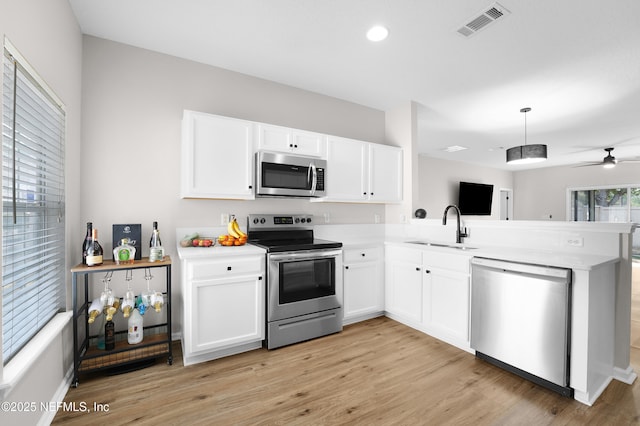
[256, 220]
[308, 220]
[303, 220]
[297, 220]
[263, 220]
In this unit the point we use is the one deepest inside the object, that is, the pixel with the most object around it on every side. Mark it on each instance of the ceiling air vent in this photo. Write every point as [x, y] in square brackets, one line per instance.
[483, 19]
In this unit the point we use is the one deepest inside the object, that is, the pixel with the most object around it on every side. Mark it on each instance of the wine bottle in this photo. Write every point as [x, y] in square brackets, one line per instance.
[156, 251]
[113, 309]
[94, 310]
[86, 242]
[101, 330]
[94, 250]
[157, 300]
[128, 303]
[109, 335]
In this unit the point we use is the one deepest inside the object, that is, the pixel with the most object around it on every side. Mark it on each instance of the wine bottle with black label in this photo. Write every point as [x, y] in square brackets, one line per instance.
[86, 242]
[109, 335]
[94, 251]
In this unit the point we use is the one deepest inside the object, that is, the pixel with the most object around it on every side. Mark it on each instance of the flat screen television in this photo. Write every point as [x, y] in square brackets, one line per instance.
[475, 198]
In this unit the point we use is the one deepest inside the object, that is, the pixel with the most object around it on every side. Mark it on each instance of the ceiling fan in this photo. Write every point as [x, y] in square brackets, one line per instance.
[609, 161]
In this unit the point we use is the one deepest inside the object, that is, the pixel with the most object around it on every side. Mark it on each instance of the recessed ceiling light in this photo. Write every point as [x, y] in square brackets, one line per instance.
[455, 148]
[377, 33]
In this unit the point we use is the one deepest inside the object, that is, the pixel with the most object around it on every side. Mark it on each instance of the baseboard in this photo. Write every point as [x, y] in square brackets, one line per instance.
[589, 398]
[627, 376]
[363, 317]
[57, 399]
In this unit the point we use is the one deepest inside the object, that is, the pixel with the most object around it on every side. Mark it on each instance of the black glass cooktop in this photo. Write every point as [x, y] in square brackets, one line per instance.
[279, 233]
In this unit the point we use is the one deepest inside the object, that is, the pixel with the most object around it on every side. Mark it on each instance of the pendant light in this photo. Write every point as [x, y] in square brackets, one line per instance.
[526, 154]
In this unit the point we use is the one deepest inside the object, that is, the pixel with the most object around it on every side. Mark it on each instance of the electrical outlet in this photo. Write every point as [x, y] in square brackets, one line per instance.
[327, 217]
[574, 241]
[376, 218]
[224, 218]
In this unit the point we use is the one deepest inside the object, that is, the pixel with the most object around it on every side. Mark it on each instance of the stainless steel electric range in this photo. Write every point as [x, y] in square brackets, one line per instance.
[304, 278]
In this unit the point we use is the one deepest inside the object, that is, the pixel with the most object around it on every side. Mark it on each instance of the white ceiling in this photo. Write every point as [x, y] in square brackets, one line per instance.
[576, 63]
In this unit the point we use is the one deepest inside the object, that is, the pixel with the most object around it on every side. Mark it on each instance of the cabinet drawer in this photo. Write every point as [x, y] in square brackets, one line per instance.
[224, 267]
[450, 262]
[404, 254]
[362, 255]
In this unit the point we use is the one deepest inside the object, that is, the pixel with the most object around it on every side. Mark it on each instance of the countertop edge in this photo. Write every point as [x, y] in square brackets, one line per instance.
[539, 257]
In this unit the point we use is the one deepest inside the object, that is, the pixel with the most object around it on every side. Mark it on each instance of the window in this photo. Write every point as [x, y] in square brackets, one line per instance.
[608, 204]
[33, 204]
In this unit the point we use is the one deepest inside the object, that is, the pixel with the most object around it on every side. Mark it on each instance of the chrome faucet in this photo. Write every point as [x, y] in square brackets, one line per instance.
[459, 234]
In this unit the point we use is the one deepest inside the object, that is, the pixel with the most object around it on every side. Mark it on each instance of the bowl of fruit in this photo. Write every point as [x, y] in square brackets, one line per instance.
[195, 240]
[203, 242]
[234, 235]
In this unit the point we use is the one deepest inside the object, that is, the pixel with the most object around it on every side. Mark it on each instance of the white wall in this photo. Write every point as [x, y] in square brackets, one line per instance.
[438, 182]
[47, 35]
[401, 130]
[133, 101]
[541, 193]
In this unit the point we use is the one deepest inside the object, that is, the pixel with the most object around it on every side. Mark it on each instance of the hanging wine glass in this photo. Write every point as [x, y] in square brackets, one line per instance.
[155, 298]
[145, 296]
[106, 297]
[129, 300]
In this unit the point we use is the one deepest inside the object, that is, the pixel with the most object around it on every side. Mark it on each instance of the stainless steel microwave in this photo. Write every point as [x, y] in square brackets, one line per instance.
[286, 175]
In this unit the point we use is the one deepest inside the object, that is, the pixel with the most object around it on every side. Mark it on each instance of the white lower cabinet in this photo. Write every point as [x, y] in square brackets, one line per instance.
[430, 290]
[403, 285]
[447, 308]
[363, 283]
[224, 301]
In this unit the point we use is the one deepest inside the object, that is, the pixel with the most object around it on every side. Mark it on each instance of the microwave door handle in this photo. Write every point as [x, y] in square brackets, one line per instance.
[314, 178]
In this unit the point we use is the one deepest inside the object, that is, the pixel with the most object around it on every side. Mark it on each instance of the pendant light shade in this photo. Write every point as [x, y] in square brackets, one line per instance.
[526, 154]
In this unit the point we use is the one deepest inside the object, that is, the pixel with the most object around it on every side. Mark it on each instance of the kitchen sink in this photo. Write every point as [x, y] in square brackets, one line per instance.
[453, 246]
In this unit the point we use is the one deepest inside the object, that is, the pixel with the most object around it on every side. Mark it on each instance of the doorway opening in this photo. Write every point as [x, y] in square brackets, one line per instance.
[506, 204]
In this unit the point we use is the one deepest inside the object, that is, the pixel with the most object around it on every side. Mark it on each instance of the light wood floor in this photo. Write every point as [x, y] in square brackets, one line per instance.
[377, 372]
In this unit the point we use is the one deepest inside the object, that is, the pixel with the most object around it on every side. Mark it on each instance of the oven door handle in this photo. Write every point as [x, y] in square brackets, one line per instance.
[293, 256]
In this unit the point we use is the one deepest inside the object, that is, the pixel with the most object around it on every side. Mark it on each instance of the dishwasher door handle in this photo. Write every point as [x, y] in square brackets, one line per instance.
[524, 268]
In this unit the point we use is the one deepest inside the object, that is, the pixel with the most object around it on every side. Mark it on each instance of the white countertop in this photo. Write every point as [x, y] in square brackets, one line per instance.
[218, 251]
[539, 257]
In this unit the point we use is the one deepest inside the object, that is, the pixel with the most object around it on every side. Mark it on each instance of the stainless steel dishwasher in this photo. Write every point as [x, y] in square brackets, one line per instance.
[520, 320]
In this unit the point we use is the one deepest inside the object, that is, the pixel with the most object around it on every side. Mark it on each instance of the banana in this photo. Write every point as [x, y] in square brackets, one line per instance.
[236, 228]
[231, 230]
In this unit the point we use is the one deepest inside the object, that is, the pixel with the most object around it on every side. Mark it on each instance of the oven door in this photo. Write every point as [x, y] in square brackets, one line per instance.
[303, 282]
[289, 175]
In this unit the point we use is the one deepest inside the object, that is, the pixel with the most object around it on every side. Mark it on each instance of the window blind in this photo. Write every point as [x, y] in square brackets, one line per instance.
[33, 206]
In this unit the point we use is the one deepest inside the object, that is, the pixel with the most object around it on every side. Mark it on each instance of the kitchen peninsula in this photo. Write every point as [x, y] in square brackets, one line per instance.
[599, 255]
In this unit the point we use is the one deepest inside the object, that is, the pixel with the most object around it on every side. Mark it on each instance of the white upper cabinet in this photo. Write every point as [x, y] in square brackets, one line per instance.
[385, 173]
[360, 171]
[346, 175]
[284, 139]
[217, 157]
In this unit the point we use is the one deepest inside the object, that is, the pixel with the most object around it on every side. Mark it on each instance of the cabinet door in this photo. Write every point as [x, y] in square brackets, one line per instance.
[308, 143]
[346, 170]
[448, 303]
[225, 312]
[284, 139]
[363, 289]
[385, 173]
[217, 157]
[404, 290]
[274, 138]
